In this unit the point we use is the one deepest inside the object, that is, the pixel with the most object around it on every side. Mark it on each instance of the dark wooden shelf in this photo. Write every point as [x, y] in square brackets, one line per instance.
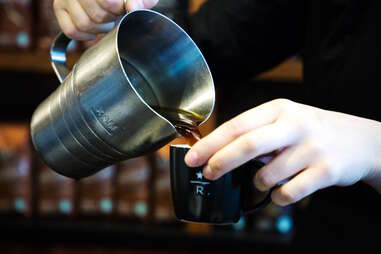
[26, 61]
[289, 71]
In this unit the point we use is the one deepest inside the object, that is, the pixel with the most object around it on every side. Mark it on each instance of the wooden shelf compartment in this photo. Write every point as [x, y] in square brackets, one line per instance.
[290, 70]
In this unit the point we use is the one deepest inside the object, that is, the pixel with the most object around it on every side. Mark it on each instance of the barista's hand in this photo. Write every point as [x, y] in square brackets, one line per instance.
[314, 149]
[84, 19]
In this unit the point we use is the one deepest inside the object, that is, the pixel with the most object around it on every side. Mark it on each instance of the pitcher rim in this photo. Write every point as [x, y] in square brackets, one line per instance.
[190, 39]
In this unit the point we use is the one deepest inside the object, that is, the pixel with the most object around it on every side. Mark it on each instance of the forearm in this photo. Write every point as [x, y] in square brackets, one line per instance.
[374, 176]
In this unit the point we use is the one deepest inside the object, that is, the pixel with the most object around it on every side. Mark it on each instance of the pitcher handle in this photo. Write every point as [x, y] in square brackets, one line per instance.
[58, 56]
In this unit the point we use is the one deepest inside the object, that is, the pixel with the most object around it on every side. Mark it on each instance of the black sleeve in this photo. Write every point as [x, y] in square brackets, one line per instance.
[248, 36]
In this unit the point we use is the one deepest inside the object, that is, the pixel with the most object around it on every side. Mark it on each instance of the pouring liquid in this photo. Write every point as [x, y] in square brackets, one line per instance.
[185, 122]
[191, 136]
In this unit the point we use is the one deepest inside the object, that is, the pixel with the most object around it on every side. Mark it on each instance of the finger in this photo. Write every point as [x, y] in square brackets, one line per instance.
[70, 29]
[302, 185]
[83, 22]
[226, 133]
[96, 13]
[140, 4]
[258, 142]
[288, 163]
[116, 7]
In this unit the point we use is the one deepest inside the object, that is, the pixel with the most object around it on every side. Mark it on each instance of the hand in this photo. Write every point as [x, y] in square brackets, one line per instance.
[314, 149]
[84, 19]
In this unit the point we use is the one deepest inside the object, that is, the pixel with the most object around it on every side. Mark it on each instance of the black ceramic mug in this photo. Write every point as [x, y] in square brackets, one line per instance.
[222, 201]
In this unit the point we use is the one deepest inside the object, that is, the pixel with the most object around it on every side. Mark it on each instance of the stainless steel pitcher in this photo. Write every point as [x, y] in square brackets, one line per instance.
[112, 105]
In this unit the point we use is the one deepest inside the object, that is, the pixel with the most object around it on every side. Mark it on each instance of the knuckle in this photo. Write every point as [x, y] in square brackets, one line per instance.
[84, 24]
[265, 179]
[249, 145]
[306, 122]
[234, 126]
[71, 32]
[99, 17]
[216, 166]
[311, 149]
[315, 148]
[298, 120]
[299, 130]
[109, 4]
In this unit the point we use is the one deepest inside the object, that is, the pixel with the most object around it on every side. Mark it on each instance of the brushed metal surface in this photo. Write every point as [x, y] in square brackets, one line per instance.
[112, 105]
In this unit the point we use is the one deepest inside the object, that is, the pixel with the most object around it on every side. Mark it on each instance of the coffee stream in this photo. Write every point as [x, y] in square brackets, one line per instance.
[191, 135]
[185, 122]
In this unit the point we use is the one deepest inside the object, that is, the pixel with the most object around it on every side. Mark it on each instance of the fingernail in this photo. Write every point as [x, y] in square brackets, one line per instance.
[191, 159]
[150, 3]
[136, 5]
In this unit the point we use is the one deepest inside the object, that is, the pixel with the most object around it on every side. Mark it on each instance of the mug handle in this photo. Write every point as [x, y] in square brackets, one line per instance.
[267, 200]
[58, 56]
